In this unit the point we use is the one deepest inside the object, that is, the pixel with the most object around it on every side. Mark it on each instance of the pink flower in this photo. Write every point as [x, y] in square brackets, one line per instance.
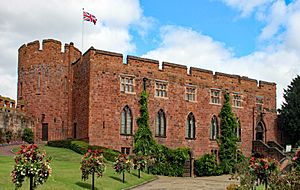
[295, 158]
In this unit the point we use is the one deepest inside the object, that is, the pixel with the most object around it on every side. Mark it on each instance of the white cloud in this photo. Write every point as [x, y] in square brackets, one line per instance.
[247, 7]
[23, 21]
[187, 47]
[275, 20]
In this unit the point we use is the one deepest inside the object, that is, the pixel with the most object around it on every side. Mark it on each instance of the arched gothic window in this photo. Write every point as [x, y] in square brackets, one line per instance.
[190, 126]
[214, 128]
[126, 121]
[160, 124]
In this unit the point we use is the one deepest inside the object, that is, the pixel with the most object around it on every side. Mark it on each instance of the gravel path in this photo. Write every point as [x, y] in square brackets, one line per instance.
[186, 183]
[6, 150]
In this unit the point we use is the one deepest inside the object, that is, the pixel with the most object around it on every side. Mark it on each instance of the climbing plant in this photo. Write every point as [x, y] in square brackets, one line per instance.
[227, 140]
[143, 139]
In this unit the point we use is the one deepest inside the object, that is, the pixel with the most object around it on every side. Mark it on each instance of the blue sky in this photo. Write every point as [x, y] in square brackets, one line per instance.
[254, 38]
[208, 17]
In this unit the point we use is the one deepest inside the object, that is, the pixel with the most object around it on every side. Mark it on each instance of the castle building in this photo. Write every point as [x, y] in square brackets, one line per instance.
[95, 96]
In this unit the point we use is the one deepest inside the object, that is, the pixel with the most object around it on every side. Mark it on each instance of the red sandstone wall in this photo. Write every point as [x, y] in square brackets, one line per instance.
[107, 102]
[92, 98]
[81, 97]
[52, 66]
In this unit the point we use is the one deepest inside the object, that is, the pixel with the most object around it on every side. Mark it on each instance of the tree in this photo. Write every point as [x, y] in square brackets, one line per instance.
[32, 163]
[91, 163]
[228, 139]
[28, 135]
[290, 111]
[143, 139]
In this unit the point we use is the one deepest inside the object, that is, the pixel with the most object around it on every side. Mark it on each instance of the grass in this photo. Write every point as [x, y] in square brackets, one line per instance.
[67, 175]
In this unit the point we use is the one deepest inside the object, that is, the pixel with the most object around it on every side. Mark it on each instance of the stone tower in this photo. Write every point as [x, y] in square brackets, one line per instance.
[45, 87]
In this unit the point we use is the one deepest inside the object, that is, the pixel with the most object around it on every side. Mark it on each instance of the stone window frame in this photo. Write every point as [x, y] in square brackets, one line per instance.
[237, 100]
[125, 150]
[213, 97]
[161, 89]
[214, 128]
[190, 93]
[160, 124]
[259, 102]
[126, 127]
[127, 84]
[190, 131]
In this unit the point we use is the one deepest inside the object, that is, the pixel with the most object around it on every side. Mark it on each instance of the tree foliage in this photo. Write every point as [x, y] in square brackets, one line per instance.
[227, 139]
[290, 111]
[28, 135]
[143, 139]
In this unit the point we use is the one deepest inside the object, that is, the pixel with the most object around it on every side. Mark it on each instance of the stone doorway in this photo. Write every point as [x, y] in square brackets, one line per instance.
[44, 131]
[260, 131]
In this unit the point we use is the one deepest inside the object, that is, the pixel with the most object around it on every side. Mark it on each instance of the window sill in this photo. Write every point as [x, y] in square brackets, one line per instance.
[215, 104]
[132, 93]
[161, 97]
[126, 134]
[189, 138]
[192, 101]
[157, 136]
[237, 107]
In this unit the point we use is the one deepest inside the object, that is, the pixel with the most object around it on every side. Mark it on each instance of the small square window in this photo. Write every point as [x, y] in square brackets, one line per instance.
[161, 89]
[125, 150]
[190, 93]
[237, 100]
[127, 84]
[215, 96]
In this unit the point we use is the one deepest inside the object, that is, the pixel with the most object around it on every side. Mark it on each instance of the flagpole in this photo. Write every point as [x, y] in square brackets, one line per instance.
[82, 32]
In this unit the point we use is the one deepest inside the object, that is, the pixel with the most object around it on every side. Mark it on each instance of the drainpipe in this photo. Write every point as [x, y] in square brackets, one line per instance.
[253, 127]
[145, 83]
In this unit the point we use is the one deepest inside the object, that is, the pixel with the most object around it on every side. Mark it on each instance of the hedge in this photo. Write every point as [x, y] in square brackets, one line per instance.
[169, 162]
[82, 147]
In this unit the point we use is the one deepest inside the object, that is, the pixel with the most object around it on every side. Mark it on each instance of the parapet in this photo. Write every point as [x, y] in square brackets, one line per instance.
[142, 62]
[174, 68]
[47, 45]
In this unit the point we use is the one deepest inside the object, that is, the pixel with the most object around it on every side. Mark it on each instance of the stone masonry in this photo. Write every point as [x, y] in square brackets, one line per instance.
[79, 97]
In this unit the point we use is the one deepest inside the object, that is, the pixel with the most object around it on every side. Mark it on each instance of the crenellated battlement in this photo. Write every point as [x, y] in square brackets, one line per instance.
[181, 70]
[51, 47]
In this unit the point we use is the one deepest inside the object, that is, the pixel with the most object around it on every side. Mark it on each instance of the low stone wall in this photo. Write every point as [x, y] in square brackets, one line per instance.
[14, 121]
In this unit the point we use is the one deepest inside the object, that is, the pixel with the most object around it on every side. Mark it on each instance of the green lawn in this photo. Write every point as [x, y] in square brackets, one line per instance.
[67, 175]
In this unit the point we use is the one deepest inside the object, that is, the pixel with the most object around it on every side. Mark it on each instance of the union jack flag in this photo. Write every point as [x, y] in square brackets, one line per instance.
[89, 17]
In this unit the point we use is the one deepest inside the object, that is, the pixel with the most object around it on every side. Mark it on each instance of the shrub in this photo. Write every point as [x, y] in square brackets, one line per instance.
[207, 166]
[28, 135]
[82, 147]
[169, 162]
[59, 143]
[288, 181]
[232, 186]
[296, 159]
[8, 136]
[1, 137]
